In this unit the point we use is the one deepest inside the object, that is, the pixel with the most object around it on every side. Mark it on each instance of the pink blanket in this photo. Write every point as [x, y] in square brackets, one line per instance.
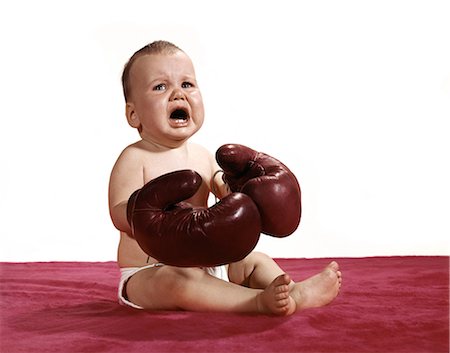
[393, 304]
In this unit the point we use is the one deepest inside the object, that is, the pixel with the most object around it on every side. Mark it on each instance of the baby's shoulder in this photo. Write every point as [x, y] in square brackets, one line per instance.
[132, 153]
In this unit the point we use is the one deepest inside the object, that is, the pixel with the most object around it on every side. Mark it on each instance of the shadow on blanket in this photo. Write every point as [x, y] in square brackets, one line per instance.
[396, 304]
[109, 320]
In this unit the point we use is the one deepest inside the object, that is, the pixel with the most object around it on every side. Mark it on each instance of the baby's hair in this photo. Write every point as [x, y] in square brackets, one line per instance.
[156, 47]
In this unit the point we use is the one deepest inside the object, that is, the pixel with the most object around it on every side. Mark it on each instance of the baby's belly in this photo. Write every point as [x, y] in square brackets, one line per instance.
[130, 253]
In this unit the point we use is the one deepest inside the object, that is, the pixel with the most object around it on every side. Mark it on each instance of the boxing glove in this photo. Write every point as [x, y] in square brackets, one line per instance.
[173, 232]
[270, 184]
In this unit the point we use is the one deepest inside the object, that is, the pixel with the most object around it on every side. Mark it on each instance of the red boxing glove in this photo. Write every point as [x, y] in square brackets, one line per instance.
[177, 234]
[270, 184]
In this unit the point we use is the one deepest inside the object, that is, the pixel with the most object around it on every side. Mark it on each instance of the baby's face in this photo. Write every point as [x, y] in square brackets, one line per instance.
[165, 99]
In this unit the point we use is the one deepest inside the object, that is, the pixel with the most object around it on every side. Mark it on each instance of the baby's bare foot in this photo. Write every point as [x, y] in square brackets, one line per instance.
[318, 290]
[275, 299]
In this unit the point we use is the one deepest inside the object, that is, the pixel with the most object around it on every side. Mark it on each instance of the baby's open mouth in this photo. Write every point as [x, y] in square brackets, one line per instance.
[179, 114]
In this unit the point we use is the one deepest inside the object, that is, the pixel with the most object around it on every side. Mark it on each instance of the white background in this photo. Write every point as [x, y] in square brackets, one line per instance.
[354, 96]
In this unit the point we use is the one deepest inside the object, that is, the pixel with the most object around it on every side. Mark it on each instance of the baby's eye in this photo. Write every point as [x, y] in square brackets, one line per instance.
[187, 85]
[159, 87]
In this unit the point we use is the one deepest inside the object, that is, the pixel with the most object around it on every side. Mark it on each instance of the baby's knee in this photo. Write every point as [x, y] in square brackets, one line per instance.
[239, 272]
[250, 261]
[162, 288]
[187, 273]
[257, 257]
[178, 277]
[182, 284]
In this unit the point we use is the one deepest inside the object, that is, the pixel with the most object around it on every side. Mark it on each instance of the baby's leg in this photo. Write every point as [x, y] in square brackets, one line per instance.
[258, 271]
[174, 288]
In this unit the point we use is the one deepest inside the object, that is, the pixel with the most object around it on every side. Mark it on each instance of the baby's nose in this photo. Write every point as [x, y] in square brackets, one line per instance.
[177, 94]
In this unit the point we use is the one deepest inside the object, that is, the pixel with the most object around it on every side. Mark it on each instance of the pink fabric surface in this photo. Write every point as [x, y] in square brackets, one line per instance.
[393, 304]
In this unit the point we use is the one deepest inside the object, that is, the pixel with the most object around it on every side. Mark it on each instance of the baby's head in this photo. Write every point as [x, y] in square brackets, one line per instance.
[162, 97]
[159, 47]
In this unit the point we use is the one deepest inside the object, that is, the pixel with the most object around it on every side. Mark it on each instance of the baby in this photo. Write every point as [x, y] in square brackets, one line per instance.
[164, 103]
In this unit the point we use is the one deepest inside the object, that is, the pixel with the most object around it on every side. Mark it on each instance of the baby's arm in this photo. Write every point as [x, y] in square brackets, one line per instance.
[126, 177]
[217, 186]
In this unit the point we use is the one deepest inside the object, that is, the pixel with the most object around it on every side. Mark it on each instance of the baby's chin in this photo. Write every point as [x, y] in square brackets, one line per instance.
[182, 135]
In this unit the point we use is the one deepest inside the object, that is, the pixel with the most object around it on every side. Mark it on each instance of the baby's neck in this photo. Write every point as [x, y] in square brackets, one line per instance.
[154, 146]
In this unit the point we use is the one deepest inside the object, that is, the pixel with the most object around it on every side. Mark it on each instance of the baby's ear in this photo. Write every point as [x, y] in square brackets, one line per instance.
[132, 117]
